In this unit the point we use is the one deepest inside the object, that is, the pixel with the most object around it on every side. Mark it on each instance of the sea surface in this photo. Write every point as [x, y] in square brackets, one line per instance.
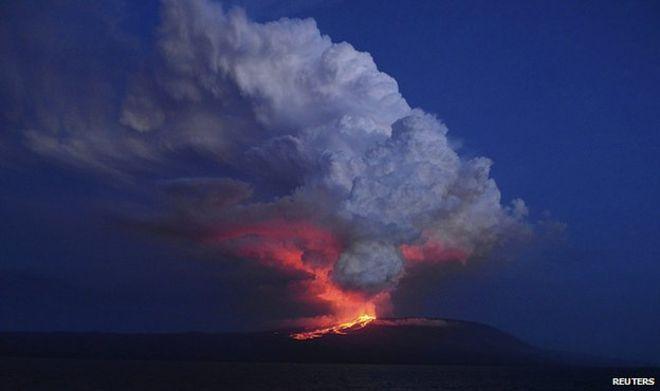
[75, 374]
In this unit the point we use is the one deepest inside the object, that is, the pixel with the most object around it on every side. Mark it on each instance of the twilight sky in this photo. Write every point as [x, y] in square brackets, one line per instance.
[121, 124]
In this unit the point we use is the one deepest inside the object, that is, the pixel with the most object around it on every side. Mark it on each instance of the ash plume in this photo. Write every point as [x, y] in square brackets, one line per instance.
[314, 161]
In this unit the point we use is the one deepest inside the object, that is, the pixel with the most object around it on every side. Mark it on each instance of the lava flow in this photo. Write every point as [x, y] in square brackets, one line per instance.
[342, 328]
[308, 248]
[303, 246]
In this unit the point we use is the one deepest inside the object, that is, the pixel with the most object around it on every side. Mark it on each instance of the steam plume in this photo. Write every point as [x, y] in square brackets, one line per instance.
[321, 164]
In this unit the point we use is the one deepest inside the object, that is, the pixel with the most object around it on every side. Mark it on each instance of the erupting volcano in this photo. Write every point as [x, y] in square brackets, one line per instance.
[304, 247]
[314, 167]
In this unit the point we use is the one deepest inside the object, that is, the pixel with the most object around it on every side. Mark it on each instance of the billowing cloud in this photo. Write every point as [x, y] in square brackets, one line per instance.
[312, 159]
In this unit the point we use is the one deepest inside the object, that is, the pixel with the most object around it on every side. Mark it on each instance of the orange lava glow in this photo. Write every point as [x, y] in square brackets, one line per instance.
[302, 246]
[341, 328]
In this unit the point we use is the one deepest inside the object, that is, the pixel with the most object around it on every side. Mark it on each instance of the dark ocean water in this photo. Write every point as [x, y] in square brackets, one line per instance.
[73, 374]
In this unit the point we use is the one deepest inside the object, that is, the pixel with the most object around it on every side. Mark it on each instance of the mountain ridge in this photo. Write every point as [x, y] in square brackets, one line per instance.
[384, 341]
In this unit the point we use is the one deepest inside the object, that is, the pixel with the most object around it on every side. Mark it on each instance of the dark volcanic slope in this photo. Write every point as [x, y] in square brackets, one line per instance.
[387, 341]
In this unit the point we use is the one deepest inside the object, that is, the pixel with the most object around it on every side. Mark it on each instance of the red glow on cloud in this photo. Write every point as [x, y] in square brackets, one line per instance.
[432, 251]
[306, 247]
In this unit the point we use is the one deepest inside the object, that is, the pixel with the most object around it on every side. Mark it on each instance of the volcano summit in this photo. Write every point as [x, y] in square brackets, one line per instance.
[382, 341]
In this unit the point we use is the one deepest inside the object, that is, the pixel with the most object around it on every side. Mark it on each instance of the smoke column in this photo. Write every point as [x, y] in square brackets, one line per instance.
[322, 166]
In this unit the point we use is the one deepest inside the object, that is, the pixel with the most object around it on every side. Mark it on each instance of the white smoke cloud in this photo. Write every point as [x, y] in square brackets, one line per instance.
[369, 266]
[280, 102]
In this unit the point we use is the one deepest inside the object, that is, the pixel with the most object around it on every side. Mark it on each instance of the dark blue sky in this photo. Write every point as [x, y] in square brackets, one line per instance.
[563, 96]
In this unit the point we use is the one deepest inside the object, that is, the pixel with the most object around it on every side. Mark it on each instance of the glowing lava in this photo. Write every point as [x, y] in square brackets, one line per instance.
[342, 328]
[305, 247]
